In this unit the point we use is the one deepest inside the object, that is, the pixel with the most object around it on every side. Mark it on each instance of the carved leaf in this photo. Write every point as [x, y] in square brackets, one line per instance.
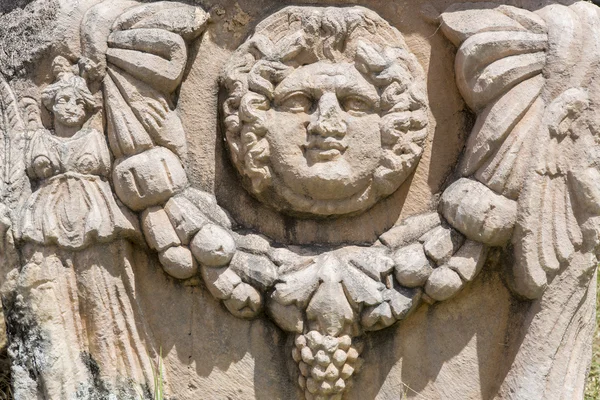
[154, 56]
[187, 21]
[496, 122]
[153, 111]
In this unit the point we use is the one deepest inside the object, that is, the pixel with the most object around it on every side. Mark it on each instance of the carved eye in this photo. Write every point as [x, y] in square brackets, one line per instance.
[80, 102]
[297, 102]
[355, 105]
[62, 100]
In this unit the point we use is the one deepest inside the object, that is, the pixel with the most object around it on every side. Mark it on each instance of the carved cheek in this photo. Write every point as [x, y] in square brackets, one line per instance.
[364, 137]
[287, 135]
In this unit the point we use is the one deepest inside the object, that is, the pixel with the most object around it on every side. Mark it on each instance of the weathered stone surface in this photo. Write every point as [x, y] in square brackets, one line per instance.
[148, 178]
[479, 213]
[178, 262]
[256, 244]
[402, 301]
[158, 230]
[213, 246]
[220, 281]
[254, 269]
[443, 284]
[244, 302]
[440, 243]
[410, 230]
[329, 137]
[468, 260]
[185, 217]
[412, 266]
[289, 317]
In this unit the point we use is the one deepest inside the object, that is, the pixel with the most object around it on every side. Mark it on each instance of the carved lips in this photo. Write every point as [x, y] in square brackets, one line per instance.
[323, 149]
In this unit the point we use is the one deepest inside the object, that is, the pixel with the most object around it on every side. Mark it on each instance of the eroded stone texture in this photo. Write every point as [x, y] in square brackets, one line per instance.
[328, 211]
[326, 138]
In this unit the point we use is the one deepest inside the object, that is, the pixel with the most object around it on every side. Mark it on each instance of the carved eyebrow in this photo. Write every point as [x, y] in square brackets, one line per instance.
[355, 87]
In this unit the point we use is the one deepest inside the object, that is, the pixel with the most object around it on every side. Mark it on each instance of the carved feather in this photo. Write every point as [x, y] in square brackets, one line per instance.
[527, 142]
[14, 183]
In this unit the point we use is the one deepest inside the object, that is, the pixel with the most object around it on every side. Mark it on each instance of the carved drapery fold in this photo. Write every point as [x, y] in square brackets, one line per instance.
[528, 176]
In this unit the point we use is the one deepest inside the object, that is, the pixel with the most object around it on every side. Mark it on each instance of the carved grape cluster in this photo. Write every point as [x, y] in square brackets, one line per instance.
[326, 364]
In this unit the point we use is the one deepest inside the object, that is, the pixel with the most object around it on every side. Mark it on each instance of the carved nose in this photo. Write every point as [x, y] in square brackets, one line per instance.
[328, 120]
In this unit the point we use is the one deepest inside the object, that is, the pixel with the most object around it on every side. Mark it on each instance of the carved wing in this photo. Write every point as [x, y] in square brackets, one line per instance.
[513, 68]
[14, 185]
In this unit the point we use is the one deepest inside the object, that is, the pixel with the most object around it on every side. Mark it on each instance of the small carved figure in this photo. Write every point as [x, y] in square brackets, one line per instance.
[77, 271]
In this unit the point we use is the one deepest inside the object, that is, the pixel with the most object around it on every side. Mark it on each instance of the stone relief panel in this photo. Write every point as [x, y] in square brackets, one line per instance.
[325, 115]
[326, 110]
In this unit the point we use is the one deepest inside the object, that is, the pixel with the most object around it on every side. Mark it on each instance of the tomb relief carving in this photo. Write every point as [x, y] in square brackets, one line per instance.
[325, 114]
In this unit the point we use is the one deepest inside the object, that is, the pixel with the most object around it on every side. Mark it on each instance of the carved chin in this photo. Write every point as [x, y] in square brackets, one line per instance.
[71, 121]
[329, 191]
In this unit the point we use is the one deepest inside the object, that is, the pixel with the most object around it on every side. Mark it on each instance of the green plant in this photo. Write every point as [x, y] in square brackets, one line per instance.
[592, 390]
[157, 375]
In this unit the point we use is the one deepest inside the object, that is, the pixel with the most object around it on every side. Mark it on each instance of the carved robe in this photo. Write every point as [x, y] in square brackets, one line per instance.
[77, 276]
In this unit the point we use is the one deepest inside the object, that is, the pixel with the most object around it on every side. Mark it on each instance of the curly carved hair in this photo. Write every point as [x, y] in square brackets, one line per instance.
[66, 78]
[297, 36]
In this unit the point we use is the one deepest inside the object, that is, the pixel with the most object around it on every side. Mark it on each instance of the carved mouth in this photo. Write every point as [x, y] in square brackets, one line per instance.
[324, 149]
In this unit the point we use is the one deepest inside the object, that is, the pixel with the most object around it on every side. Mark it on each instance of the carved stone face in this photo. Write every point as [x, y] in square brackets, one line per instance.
[69, 107]
[323, 131]
[327, 113]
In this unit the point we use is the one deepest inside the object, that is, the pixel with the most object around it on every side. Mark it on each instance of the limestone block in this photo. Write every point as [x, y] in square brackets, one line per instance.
[213, 246]
[468, 260]
[158, 230]
[149, 178]
[178, 262]
[412, 266]
[185, 217]
[325, 113]
[440, 243]
[443, 284]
